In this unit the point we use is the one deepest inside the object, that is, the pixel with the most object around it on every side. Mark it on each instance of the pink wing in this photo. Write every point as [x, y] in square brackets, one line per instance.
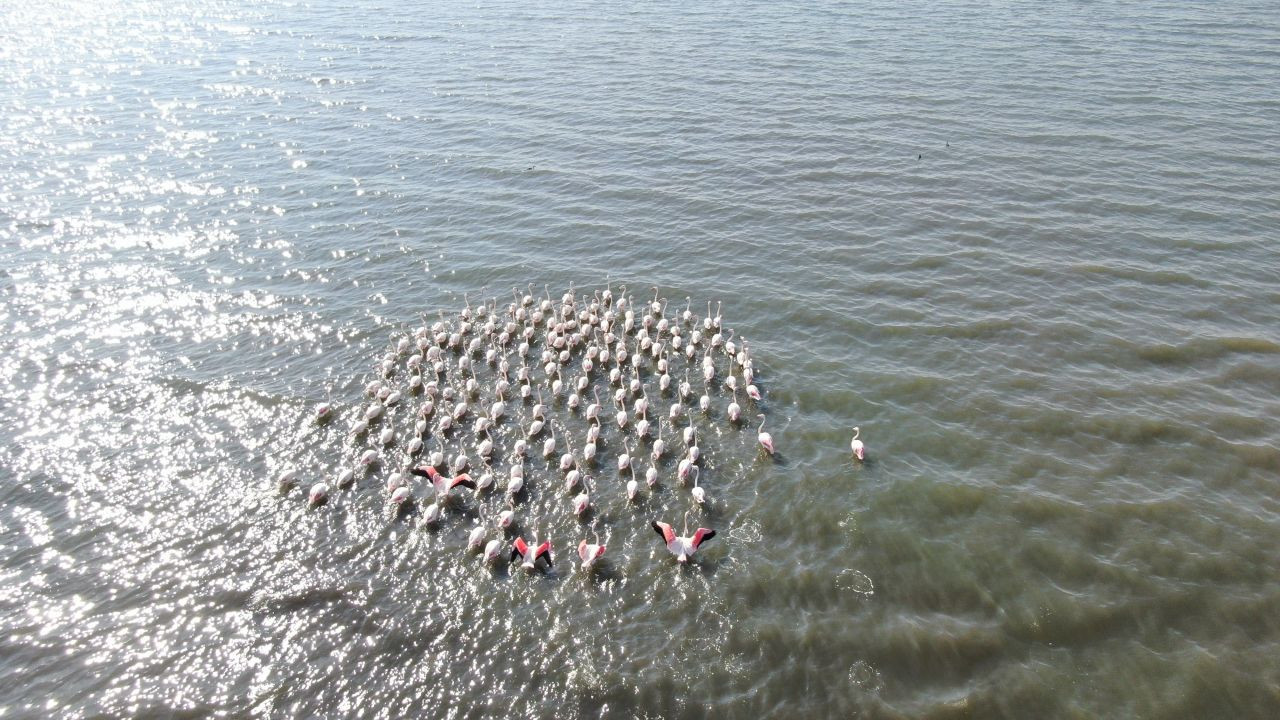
[519, 548]
[665, 531]
[543, 549]
[701, 536]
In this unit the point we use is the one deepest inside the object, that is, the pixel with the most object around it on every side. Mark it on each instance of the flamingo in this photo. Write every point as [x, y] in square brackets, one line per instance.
[593, 410]
[685, 470]
[734, 410]
[460, 463]
[507, 517]
[859, 451]
[566, 460]
[589, 553]
[766, 440]
[401, 495]
[624, 459]
[319, 494]
[442, 484]
[699, 495]
[633, 488]
[323, 414]
[549, 445]
[572, 478]
[516, 482]
[530, 559]
[582, 501]
[492, 549]
[683, 546]
[431, 515]
[476, 538]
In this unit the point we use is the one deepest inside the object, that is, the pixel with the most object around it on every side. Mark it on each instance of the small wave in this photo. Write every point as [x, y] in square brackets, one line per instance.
[855, 581]
[1143, 275]
[748, 532]
[865, 676]
[1206, 349]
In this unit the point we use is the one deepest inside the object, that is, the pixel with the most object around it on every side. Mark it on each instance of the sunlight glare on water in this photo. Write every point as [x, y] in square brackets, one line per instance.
[1027, 249]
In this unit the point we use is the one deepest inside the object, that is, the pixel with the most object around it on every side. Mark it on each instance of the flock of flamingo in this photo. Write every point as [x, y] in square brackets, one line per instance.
[637, 352]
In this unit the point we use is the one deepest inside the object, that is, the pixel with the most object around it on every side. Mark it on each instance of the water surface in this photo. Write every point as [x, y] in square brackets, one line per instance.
[1028, 248]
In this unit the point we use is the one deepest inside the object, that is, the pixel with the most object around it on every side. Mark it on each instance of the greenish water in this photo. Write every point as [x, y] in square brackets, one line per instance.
[1028, 249]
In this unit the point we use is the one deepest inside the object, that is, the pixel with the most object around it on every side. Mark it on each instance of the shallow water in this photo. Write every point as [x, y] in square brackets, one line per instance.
[1029, 249]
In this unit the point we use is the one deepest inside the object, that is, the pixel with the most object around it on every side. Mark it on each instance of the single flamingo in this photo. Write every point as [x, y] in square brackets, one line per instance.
[766, 440]
[683, 546]
[530, 558]
[859, 450]
[589, 553]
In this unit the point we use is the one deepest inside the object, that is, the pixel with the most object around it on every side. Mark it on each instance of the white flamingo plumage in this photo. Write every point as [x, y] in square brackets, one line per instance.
[683, 546]
[859, 450]
[766, 440]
